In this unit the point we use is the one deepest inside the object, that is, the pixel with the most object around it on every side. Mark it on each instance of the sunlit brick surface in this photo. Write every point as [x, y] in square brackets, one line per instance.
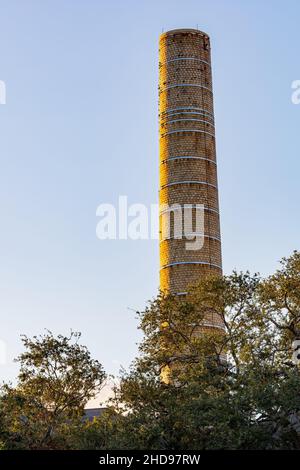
[188, 170]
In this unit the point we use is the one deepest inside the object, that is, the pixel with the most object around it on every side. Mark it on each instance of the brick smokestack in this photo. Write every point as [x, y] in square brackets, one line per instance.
[188, 169]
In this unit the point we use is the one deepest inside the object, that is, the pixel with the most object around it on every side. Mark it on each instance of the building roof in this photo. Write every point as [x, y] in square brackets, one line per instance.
[91, 413]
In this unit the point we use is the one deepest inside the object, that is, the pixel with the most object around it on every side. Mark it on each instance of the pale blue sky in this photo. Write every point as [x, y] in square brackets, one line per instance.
[80, 128]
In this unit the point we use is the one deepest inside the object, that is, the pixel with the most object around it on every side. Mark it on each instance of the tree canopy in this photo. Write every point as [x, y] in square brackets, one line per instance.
[250, 400]
[57, 377]
[236, 388]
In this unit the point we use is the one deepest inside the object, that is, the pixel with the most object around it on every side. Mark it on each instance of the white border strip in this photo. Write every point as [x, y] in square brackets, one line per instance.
[178, 85]
[191, 262]
[186, 58]
[188, 157]
[188, 182]
[187, 130]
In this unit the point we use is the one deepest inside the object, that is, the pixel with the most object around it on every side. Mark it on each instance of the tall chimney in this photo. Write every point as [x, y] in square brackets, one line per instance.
[188, 169]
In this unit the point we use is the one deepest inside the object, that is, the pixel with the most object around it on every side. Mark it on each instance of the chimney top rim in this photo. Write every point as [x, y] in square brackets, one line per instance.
[183, 30]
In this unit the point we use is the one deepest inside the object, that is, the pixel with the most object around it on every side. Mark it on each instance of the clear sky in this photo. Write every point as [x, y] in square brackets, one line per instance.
[79, 128]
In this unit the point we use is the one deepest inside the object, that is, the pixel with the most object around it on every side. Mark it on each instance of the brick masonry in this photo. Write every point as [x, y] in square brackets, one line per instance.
[188, 169]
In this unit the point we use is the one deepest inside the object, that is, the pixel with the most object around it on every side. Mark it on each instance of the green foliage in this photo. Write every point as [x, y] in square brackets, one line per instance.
[249, 401]
[57, 377]
[237, 389]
